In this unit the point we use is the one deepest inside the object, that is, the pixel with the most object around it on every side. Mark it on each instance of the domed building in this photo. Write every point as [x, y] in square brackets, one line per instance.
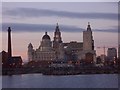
[45, 51]
[46, 44]
[59, 50]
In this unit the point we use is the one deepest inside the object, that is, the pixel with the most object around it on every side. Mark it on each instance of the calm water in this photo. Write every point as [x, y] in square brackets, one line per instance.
[76, 81]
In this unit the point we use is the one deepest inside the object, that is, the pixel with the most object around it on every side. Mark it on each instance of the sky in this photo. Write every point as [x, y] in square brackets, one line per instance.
[29, 21]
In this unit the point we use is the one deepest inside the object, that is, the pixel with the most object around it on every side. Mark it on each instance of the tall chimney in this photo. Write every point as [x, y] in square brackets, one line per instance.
[9, 43]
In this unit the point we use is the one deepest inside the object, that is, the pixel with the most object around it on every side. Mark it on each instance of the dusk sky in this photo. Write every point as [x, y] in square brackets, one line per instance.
[29, 21]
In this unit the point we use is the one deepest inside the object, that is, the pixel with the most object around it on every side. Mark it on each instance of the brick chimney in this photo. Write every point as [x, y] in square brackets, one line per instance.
[9, 43]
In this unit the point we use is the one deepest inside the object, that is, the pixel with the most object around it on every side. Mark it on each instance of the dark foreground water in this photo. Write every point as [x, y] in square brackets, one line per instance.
[76, 81]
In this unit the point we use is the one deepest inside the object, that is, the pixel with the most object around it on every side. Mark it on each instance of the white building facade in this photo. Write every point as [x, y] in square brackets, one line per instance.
[55, 50]
[45, 51]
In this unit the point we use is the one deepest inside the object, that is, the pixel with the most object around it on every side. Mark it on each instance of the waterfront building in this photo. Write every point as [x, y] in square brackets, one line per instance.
[7, 59]
[3, 58]
[72, 50]
[58, 44]
[88, 53]
[45, 51]
[57, 50]
[112, 54]
[48, 50]
[15, 61]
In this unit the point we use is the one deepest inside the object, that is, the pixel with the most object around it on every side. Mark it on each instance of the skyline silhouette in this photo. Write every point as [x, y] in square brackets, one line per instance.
[29, 22]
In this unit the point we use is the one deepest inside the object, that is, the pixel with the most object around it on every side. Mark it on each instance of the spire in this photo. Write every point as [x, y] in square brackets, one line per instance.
[57, 28]
[57, 24]
[88, 28]
[57, 37]
[88, 23]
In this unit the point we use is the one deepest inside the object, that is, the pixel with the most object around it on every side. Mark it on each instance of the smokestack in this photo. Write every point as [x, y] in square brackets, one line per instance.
[9, 43]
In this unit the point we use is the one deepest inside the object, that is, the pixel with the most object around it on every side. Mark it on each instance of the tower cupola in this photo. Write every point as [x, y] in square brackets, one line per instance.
[88, 27]
[46, 36]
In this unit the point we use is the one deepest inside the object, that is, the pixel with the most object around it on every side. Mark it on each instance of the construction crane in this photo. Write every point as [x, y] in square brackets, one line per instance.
[104, 49]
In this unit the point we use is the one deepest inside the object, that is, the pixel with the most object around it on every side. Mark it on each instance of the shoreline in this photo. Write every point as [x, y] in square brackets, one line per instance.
[62, 72]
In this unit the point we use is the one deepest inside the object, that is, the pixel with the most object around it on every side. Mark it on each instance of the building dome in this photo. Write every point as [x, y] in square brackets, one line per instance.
[46, 36]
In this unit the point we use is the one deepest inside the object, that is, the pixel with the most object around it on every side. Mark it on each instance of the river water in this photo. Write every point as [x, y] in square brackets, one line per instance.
[70, 81]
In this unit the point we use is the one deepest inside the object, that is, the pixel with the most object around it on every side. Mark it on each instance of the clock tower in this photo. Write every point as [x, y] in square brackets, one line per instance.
[57, 43]
[57, 37]
[88, 42]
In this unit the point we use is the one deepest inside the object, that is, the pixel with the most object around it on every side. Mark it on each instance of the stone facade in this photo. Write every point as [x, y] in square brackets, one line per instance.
[88, 53]
[45, 51]
[57, 50]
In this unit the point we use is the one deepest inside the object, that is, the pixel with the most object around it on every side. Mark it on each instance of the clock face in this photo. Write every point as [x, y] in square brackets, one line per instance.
[57, 36]
[57, 39]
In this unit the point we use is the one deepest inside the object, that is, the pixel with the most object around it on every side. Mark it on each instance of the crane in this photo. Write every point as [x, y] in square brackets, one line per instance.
[104, 49]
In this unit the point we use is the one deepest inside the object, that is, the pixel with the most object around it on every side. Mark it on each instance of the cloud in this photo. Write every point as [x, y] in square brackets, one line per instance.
[32, 12]
[106, 30]
[23, 27]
